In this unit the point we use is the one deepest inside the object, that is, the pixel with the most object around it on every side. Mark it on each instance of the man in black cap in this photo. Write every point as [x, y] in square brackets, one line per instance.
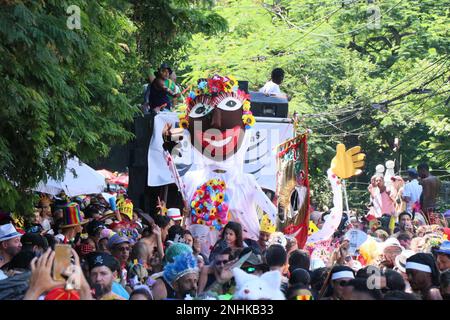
[423, 276]
[103, 270]
[159, 92]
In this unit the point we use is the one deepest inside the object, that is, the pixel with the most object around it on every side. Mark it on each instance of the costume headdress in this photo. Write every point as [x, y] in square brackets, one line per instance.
[212, 93]
[266, 225]
[183, 264]
[72, 216]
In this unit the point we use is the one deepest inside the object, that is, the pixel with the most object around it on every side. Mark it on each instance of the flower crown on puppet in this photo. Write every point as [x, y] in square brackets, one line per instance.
[210, 92]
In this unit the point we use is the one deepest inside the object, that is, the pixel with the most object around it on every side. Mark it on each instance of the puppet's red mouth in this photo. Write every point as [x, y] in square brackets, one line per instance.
[218, 143]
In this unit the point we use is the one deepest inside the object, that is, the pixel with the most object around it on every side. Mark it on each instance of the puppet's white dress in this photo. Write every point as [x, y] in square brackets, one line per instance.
[242, 189]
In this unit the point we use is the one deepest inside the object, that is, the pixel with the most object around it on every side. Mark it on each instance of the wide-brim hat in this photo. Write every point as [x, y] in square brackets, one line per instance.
[8, 231]
[174, 214]
[72, 216]
[400, 260]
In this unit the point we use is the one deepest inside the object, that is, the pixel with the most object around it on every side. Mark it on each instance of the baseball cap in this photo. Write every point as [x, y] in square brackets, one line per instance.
[412, 172]
[116, 240]
[165, 66]
[99, 259]
[34, 239]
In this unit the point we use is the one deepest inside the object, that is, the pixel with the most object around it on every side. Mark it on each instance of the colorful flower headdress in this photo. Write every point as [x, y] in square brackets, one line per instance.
[211, 92]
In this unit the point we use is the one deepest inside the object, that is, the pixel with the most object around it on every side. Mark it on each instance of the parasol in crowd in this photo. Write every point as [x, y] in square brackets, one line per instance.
[78, 179]
[121, 180]
[107, 174]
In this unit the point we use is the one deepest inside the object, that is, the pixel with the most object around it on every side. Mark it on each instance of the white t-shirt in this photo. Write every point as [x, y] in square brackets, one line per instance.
[3, 276]
[270, 88]
[412, 190]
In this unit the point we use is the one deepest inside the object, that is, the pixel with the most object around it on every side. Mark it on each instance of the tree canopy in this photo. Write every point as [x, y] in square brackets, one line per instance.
[71, 90]
[359, 72]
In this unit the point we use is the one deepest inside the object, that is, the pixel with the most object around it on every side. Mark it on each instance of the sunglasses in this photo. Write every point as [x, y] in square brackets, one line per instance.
[343, 283]
[221, 262]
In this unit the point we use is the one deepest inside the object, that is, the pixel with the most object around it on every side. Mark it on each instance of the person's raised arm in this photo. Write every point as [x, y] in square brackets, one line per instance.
[41, 280]
[203, 278]
[157, 232]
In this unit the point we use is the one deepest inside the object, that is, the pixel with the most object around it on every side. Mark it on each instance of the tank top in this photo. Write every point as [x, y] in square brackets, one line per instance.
[171, 294]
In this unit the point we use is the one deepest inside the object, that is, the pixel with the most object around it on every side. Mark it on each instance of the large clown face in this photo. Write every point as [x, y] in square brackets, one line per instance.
[217, 120]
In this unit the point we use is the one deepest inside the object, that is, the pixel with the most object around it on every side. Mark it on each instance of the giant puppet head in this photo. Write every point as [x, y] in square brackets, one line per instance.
[217, 114]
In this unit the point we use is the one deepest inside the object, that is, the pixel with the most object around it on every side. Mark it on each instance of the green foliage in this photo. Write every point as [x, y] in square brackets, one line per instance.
[165, 26]
[339, 66]
[72, 92]
[62, 91]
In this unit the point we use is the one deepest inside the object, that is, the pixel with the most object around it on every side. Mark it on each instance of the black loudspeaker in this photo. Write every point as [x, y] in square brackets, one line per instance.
[268, 106]
[243, 85]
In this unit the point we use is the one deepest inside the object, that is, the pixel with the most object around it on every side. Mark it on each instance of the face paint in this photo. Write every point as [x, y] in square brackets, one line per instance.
[216, 124]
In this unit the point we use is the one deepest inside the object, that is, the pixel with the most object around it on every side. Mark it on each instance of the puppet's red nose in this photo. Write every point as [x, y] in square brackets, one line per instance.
[216, 121]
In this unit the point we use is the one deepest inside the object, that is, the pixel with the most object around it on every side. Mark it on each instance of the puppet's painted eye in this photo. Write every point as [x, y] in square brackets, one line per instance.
[230, 104]
[200, 110]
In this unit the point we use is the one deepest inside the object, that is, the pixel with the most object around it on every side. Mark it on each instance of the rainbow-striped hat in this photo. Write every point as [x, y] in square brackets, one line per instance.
[72, 216]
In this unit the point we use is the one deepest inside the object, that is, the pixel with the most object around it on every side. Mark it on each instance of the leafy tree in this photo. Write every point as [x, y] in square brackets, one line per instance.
[353, 78]
[72, 91]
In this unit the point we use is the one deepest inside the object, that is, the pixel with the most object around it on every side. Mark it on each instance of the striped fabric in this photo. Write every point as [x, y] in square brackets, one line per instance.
[72, 214]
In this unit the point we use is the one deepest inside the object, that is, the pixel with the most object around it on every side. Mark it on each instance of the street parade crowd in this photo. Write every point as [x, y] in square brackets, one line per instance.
[103, 247]
[119, 253]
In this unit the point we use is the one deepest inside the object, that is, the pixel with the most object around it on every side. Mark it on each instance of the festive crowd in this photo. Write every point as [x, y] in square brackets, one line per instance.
[121, 253]
[100, 246]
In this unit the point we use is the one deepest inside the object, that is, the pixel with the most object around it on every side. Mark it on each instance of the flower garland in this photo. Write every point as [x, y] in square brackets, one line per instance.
[214, 89]
[209, 205]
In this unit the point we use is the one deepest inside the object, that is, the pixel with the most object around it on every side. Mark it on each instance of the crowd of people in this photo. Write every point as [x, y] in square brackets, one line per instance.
[119, 256]
[101, 247]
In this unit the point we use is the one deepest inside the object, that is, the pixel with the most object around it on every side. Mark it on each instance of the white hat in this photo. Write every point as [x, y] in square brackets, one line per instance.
[400, 260]
[174, 213]
[7, 231]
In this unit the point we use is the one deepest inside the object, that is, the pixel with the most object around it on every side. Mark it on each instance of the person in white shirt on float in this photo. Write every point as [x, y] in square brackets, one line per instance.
[412, 192]
[272, 87]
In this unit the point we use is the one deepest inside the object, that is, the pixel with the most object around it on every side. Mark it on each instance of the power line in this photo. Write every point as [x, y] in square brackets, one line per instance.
[349, 107]
[352, 132]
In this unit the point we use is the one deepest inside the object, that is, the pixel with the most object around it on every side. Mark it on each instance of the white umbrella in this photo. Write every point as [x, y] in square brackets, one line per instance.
[78, 179]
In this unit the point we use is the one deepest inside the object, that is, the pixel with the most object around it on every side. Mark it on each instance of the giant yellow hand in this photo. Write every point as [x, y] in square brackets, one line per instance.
[347, 164]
